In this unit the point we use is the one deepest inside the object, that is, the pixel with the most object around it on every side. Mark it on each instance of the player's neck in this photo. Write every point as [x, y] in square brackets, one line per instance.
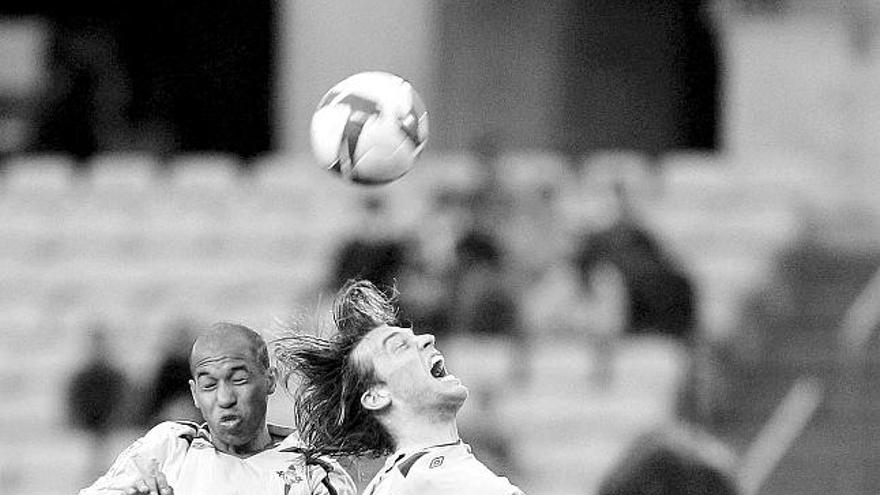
[416, 435]
[261, 442]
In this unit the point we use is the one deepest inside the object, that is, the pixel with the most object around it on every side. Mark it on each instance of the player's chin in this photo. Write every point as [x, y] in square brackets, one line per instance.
[454, 390]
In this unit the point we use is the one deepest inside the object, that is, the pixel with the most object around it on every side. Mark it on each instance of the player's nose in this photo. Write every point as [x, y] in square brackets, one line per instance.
[225, 395]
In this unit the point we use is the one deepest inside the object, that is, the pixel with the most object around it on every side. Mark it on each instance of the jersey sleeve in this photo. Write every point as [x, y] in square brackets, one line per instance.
[162, 443]
[324, 472]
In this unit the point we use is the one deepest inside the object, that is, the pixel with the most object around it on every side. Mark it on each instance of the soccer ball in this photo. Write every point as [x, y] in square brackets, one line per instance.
[369, 128]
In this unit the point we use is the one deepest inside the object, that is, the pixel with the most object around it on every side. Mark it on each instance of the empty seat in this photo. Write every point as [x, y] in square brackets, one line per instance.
[290, 191]
[36, 191]
[23, 463]
[697, 178]
[651, 367]
[447, 171]
[529, 171]
[203, 171]
[123, 172]
[608, 168]
[38, 173]
[483, 364]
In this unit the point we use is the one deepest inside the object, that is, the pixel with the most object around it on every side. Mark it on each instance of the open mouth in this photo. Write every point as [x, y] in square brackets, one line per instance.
[438, 367]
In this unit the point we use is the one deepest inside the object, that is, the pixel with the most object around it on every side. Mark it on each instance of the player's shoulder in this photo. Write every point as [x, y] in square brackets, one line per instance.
[173, 432]
[163, 441]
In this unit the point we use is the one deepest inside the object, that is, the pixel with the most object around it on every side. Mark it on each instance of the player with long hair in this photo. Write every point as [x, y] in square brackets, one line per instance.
[375, 388]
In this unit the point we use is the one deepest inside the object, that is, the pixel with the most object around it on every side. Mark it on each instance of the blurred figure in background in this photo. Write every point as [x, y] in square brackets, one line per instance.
[425, 293]
[483, 306]
[482, 302]
[168, 396]
[97, 396]
[231, 380]
[377, 253]
[660, 297]
[677, 460]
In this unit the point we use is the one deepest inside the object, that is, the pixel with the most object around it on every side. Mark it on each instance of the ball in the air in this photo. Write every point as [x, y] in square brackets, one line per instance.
[370, 128]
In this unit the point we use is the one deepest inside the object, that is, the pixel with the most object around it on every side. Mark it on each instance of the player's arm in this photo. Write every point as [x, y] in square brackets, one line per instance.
[139, 469]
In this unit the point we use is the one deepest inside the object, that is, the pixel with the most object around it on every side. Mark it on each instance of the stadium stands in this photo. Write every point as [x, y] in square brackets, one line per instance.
[135, 241]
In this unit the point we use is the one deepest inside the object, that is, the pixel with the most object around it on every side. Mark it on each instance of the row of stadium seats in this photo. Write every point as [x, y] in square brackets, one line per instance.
[127, 198]
[678, 176]
[724, 218]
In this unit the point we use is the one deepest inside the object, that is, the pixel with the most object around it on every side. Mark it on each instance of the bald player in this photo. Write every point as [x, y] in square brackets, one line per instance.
[235, 450]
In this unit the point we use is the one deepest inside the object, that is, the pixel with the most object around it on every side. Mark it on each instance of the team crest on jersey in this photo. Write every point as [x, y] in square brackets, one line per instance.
[200, 443]
[436, 462]
[290, 477]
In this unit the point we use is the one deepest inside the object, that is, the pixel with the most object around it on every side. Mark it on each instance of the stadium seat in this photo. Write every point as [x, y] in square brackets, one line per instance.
[559, 361]
[527, 171]
[482, 363]
[457, 172]
[203, 171]
[35, 190]
[697, 178]
[38, 173]
[782, 171]
[123, 172]
[650, 367]
[291, 192]
[592, 202]
[607, 168]
[203, 181]
[23, 465]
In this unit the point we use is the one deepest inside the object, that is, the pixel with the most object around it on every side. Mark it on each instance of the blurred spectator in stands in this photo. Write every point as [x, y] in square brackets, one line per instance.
[376, 253]
[168, 395]
[96, 397]
[677, 460]
[423, 283]
[484, 304]
[479, 291]
[490, 201]
[660, 297]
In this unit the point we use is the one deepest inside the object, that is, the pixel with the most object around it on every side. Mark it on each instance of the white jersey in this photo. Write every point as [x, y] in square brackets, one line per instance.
[185, 454]
[441, 469]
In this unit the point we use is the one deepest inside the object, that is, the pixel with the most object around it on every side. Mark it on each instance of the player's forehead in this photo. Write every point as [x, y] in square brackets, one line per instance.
[373, 344]
[227, 350]
[381, 334]
[219, 366]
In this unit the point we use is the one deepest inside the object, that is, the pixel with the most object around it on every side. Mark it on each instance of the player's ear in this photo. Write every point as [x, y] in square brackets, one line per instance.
[272, 376]
[192, 391]
[376, 398]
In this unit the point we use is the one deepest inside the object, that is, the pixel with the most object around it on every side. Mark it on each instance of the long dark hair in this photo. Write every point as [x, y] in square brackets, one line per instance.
[327, 382]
